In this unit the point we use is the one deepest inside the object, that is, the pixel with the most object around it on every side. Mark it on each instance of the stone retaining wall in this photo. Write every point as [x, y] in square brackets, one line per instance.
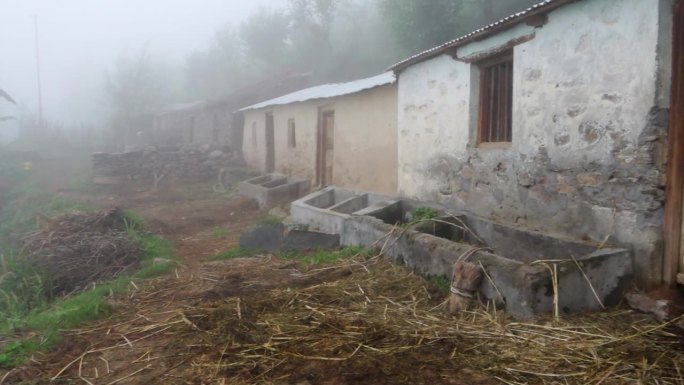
[186, 164]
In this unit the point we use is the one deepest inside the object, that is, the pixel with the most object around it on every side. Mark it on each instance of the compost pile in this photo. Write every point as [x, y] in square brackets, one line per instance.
[78, 249]
[385, 324]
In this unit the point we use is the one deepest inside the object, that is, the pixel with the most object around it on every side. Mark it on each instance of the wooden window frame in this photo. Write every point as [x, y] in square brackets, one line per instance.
[291, 133]
[491, 109]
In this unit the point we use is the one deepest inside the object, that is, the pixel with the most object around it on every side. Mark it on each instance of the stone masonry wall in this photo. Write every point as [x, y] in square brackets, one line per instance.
[186, 164]
[587, 151]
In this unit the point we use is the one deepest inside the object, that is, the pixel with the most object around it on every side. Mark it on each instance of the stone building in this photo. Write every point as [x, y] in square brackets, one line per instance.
[556, 119]
[209, 123]
[335, 134]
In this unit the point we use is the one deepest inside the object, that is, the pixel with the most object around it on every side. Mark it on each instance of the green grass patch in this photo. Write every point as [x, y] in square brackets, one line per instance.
[423, 213]
[440, 284]
[45, 323]
[24, 306]
[269, 220]
[219, 232]
[26, 203]
[46, 320]
[157, 255]
[84, 184]
[322, 257]
[232, 253]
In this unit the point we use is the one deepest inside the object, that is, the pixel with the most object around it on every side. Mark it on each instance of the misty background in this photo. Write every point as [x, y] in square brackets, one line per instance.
[104, 62]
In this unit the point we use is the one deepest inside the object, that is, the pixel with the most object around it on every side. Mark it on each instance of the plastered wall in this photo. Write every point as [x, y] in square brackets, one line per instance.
[586, 156]
[365, 154]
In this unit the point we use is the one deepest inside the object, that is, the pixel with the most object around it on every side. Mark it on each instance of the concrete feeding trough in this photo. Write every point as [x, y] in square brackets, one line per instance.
[329, 209]
[516, 261]
[273, 189]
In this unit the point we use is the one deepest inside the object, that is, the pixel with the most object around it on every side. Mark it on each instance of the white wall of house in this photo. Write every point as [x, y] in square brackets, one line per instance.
[366, 140]
[365, 154]
[299, 161]
[584, 159]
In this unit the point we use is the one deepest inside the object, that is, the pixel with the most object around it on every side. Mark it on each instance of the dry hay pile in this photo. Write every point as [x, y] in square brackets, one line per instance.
[77, 249]
[382, 325]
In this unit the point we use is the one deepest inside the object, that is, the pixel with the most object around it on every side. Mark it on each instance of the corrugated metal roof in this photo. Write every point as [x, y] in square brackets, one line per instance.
[504, 23]
[328, 91]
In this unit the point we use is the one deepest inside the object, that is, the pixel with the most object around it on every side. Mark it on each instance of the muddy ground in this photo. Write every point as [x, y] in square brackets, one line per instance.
[155, 336]
[266, 320]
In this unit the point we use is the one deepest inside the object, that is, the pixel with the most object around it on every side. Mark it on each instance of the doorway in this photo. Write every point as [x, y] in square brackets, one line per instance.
[673, 271]
[270, 143]
[326, 148]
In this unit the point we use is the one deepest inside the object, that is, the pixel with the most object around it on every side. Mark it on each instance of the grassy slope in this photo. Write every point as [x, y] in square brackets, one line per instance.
[22, 303]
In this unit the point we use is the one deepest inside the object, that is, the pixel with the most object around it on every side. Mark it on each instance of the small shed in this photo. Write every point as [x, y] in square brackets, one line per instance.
[341, 134]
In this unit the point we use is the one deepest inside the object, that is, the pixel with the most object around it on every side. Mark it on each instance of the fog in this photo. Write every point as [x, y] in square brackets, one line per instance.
[81, 39]
[105, 63]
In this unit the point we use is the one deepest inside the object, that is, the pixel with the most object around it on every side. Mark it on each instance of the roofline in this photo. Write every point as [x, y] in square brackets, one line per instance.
[484, 32]
[277, 102]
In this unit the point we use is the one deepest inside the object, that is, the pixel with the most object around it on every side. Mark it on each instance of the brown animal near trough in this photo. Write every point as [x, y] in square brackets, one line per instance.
[465, 280]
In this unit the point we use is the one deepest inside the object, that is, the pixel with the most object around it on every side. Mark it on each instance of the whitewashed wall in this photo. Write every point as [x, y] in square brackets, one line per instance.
[587, 133]
[365, 154]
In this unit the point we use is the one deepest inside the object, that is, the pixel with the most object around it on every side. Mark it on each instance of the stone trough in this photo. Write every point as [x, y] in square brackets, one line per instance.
[329, 209]
[273, 189]
[516, 261]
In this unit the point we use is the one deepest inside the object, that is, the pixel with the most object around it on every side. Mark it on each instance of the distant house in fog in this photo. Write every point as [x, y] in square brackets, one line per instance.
[208, 122]
[335, 134]
[199, 123]
[556, 119]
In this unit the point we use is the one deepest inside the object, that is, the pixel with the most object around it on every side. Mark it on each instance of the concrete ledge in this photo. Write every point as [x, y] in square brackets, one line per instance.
[328, 209]
[273, 189]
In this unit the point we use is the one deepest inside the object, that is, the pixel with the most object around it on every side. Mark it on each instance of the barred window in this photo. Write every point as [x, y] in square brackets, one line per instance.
[496, 99]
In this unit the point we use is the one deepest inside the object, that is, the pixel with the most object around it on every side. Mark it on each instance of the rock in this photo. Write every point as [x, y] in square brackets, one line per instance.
[301, 240]
[278, 212]
[266, 237]
[589, 179]
[161, 261]
[524, 179]
[215, 154]
[663, 309]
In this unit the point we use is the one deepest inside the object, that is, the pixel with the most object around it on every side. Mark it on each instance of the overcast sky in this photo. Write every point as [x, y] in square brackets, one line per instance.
[81, 39]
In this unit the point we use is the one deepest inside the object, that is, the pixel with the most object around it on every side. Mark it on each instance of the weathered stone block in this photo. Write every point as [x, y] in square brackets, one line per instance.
[299, 240]
[267, 237]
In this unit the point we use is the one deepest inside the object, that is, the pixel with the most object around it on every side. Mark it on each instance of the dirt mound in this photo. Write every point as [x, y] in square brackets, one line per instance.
[77, 249]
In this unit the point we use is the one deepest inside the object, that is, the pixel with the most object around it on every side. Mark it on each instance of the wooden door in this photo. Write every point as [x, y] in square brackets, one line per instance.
[270, 143]
[673, 270]
[326, 149]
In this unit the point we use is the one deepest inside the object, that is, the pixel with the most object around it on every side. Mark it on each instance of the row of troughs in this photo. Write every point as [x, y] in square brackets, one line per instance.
[527, 273]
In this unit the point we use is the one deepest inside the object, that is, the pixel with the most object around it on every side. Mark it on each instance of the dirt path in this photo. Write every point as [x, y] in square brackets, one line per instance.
[110, 347]
[156, 334]
[264, 320]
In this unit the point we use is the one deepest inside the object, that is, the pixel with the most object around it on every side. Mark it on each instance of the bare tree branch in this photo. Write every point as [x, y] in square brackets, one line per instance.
[6, 96]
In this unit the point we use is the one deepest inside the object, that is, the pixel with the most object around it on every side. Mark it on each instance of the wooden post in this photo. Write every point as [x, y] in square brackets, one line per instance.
[672, 228]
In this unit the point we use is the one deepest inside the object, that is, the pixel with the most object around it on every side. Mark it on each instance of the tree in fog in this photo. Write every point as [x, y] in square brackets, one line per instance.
[419, 24]
[330, 40]
[4, 95]
[133, 89]
[219, 70]
[266, 36]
